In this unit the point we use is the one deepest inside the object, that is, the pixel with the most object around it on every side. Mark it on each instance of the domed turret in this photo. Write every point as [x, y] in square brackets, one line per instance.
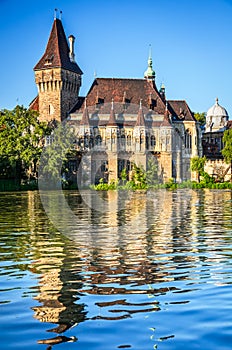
[216, 118]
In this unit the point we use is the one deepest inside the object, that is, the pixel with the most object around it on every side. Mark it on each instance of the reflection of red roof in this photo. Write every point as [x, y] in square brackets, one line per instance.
[57, 51]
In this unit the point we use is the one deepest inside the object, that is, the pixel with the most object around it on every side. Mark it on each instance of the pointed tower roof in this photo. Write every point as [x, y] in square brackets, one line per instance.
[57, 51]
[112, 119]
[85, 116]
[166, 120]
[140, 118]
[149, 73]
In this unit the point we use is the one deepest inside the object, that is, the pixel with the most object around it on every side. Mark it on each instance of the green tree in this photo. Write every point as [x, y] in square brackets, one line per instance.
[139, 176]
[227, 150]
[152, 172]
[21, 141]
[200, 117]
[123, 176]
[54, 159]
[197, 164]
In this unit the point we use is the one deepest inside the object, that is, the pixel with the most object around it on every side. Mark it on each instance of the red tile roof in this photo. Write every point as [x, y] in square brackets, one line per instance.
[181, 110]
[34, 105]
[127, 92]
[57, 51]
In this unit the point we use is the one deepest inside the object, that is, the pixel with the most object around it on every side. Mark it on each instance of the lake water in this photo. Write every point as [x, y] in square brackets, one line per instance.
[150, 271]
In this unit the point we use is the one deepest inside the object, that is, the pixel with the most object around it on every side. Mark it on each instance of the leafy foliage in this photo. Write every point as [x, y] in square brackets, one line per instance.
[53, 161]
[227, 150]
[21, 140]
[152, 172]
[139, 177]
[197, 164]
[200, 117]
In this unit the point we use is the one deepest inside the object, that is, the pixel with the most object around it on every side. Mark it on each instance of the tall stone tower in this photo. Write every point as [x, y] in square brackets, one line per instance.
[57, 76]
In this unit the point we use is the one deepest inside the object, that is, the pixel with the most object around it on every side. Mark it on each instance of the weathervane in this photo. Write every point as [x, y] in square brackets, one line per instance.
[55, 14]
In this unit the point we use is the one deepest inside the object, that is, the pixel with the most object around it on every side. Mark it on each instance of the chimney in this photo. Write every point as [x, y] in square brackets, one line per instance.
[71, 48]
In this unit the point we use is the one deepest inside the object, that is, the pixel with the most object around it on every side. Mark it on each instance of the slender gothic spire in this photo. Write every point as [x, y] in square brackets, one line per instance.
[140, 118]
[112, 119]
[149, 73]
[166, 120]
[85, 115]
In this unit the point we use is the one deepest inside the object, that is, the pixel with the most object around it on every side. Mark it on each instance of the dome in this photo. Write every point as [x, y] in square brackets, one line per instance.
[217, 111]
[216, 118]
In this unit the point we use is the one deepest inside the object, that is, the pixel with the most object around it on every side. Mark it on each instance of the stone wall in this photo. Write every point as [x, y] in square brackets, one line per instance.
[58, 92]
[218, 169]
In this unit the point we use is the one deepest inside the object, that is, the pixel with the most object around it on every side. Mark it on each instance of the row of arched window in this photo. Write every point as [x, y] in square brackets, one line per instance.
[89, 141]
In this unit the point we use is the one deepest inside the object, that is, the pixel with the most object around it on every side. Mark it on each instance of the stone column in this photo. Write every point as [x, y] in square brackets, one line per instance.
[178, 167]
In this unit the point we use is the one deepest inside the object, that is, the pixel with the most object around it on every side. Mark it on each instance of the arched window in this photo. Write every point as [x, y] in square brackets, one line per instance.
[188, 139]
[113, 137]
[98, 140]
[153, 142]
[129, 139]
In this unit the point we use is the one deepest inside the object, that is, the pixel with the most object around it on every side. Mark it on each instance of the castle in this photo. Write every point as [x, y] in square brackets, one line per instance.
[120, 122]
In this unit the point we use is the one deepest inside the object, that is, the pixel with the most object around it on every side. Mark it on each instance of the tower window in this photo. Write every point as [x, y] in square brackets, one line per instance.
[50, 109]
[48, 60]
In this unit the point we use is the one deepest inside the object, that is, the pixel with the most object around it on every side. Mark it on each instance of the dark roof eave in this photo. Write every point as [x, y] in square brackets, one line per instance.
[58, 66]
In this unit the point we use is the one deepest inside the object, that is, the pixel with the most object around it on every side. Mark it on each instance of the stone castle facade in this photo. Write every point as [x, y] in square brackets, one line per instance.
[119, 123]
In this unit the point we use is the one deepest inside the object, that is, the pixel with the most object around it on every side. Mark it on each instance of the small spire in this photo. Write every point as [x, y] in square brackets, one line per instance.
[124, 97]
[149, 73]
[55, 13]
[166, 120]
[216, 101]
[97, 97]
[61, 15]
[85, 116]
[95, 74]
[150, 52]
[112, 119]
[140, 118]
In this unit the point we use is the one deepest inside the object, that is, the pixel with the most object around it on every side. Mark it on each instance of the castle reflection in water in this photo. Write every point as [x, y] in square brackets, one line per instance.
[153, 240]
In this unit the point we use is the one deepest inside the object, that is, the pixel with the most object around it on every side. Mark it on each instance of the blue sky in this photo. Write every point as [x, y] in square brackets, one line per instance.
[191, 45]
